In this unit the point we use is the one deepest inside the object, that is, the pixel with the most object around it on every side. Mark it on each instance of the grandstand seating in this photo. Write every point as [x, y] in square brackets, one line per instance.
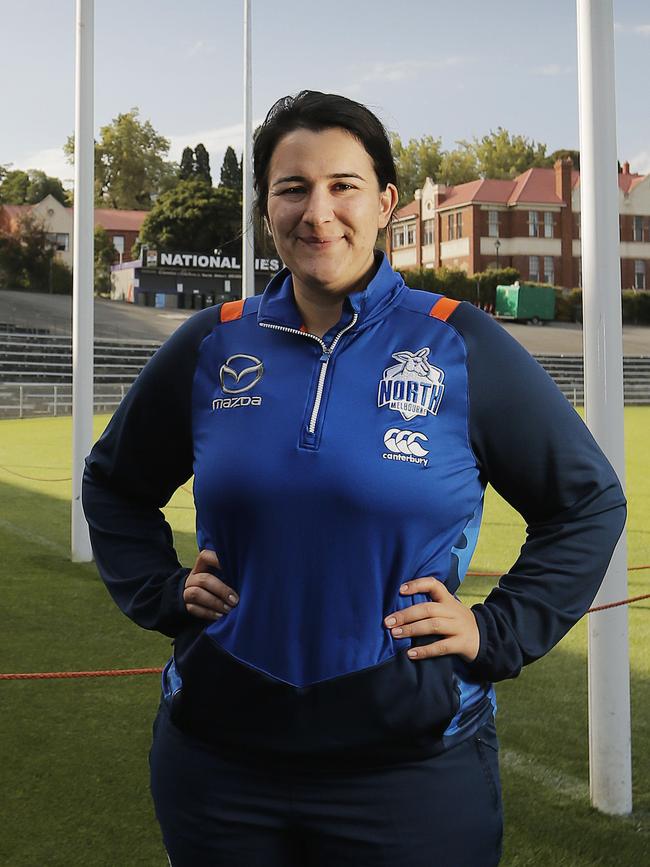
[36, 373]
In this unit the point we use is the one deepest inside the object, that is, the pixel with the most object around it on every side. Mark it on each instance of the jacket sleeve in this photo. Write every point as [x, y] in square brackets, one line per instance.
[142, 457]
[536, 451]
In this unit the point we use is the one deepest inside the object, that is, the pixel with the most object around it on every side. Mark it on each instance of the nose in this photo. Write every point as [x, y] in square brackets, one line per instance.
[318, 207]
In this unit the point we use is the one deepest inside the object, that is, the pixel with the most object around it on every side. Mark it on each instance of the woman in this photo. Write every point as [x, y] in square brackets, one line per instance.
[329, 700]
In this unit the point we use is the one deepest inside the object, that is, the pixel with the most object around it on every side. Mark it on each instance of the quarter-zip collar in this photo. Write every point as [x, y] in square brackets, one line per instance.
[278, 303]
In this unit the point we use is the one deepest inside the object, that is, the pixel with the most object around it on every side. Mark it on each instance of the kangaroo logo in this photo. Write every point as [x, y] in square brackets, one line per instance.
[412, 387]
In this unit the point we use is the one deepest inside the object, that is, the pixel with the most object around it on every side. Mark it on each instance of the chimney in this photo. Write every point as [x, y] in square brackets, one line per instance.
[562, 168]
[626, 168]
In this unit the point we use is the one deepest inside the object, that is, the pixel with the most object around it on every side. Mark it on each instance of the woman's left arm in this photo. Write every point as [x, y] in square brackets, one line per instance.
[536, 451]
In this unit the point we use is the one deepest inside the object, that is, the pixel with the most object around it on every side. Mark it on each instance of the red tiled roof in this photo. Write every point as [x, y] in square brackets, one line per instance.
[410, 210]
[11, 213]
[535, 186]
[116, 220]
[482, 190]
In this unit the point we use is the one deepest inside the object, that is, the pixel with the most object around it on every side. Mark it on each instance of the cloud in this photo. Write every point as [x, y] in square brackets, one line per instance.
[398, 70]
[640, 163]
[552, 70]
[634, 29]
[215, 140]
[201, 46]
[52, 161]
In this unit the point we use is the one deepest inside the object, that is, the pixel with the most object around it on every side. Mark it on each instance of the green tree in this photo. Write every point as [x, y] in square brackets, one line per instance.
[18, 187]
[195, 218]
[130, 166]
[459, 165]
[502, 155]
[104, 258]
[186, 170]
[231, 171]
[416, 161]
[563, 153]
[26, 256]
[202, 169]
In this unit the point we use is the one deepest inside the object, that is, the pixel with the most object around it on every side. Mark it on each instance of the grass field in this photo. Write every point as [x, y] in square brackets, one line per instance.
[74, 752]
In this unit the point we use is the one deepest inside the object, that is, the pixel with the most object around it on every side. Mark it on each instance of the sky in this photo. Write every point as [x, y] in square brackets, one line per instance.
[453, 71]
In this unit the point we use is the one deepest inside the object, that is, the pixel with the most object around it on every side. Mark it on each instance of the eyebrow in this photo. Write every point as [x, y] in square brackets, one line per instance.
[301, 178]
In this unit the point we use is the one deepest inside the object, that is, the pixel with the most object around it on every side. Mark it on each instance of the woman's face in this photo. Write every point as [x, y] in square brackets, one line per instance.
[325, 208]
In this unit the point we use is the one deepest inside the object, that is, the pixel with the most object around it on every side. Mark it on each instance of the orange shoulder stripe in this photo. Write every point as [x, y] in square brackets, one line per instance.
[443, 308]
[232, 310]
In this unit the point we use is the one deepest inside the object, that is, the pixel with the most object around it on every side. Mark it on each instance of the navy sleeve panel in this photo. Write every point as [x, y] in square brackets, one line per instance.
[142, 457]
[538, 454]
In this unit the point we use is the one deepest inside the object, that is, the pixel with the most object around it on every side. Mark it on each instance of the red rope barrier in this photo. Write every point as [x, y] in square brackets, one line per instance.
[58, 675]
[616, 604]
[35, 478]
[119, 672]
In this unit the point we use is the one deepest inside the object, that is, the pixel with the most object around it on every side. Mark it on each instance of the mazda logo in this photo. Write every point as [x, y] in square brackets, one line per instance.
[237, 370]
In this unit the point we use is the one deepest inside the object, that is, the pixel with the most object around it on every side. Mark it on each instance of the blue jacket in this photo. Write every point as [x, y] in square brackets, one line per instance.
[326, 473]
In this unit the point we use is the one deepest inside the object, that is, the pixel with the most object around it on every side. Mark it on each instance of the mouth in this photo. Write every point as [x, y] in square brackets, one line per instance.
[315, 243]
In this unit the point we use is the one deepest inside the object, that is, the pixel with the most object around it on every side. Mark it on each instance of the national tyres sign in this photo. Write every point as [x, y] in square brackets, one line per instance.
[203, 261]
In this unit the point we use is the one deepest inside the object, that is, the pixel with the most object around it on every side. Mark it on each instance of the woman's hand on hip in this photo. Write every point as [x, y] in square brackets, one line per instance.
[444, 616]
[205, 595]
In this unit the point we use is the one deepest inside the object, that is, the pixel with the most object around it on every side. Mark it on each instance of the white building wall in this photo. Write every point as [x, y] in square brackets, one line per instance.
[455, 249]
[405, 257]
[522, 247]
[56, 218]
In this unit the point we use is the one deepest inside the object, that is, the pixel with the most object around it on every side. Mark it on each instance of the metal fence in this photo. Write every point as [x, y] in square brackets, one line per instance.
[22, 399]
[28, 400]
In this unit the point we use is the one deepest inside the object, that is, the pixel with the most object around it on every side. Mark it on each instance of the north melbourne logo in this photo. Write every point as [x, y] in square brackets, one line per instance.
[412, 387]
[405, 445]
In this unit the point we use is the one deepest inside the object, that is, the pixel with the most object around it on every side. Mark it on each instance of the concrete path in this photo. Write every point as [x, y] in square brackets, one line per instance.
[117, 319]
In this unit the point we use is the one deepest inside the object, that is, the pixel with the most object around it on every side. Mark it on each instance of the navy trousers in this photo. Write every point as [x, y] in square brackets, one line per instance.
[443, 811]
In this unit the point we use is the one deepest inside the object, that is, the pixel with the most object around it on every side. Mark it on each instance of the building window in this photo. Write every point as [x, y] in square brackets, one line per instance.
[638, 229]
[451, 226]
[59, 240]
[410, 235]
[428, 232]
[493, 224]
[639, 274]
[548, 224]
[549, 269]
[533, 224]
[398, 236]
[533, 268]
[459, 224]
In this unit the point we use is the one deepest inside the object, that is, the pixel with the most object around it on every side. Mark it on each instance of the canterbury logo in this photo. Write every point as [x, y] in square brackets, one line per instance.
[405, 441]
[404, 445]
[234, 371]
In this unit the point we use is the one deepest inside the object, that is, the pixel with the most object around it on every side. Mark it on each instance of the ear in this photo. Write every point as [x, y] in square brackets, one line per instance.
[267, 225]
[387, 204]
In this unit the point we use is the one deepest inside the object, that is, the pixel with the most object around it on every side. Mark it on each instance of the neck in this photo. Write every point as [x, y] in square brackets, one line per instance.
[318, 314]
[319, 309]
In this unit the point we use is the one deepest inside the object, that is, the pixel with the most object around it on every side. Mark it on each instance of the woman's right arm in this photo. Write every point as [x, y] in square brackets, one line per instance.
[142, 457]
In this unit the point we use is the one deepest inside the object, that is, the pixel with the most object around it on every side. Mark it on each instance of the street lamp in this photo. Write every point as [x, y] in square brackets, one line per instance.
[497, 244]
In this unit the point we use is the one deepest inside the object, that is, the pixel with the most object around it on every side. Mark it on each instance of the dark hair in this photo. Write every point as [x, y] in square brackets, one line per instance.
[316, 111]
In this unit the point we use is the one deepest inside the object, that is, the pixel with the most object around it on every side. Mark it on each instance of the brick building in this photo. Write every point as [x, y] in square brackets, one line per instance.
[531, 223]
